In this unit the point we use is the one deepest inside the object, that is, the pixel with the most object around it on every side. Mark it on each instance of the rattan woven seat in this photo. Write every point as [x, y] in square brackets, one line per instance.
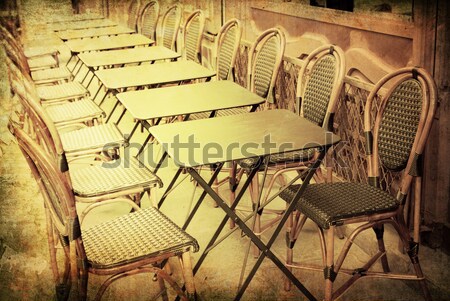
[92, 138]
[289, 157]
[80, 111]
[349, 200]
[111, 177]
[64, 91]
[53, 75]
[42, 62]
[128, 238]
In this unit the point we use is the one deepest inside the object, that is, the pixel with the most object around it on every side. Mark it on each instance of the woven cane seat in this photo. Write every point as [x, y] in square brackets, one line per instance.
[70, 90]
[51, 75]
[96, 137]
[84, 109]
[113, 176]
[42, 62]
[129, 238]
[328, 204]
[288, 157]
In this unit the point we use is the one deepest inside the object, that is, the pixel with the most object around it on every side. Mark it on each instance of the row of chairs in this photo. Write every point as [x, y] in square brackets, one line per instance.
[319, 86]
[115, 248]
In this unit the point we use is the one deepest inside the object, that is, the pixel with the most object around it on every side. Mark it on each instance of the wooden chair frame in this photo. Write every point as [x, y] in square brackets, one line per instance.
[170, 26]
[146, 25]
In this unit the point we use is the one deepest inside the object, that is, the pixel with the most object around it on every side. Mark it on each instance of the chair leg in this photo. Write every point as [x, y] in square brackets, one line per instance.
[188, 275]
[329, 272]
[379, 232]
[162, 287]
[412, 249]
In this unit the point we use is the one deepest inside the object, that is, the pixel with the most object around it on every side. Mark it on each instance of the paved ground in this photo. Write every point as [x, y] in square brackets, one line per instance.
[24, 266]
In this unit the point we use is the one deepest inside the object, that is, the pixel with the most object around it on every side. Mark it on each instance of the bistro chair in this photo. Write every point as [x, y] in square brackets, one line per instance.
[395, 139]
[37, 58]
[149, 20]
[319, 87]
[135, 243]
[41, 76]
[53, 92]
[170, 26]
[193, 35]
[78, 113]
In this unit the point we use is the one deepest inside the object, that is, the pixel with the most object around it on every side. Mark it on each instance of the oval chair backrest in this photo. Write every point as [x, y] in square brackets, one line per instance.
[193, 35]
[148, 20]
[133, 14]
[402, 122]
[227, 45]
[169, 27]
[55, 190]
[44, 129]
[14, 50]
[264, 61]
[320, 83]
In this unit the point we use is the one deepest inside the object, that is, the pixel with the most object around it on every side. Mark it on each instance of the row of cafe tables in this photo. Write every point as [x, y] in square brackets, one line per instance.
[236, 137]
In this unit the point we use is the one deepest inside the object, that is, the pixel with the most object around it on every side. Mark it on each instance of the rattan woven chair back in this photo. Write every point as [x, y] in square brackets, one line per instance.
[131, 244]
[38, 124]
[193, 36]
[149, 19]
[170, 26]
[14, 50]
[133, 14]
[265, 58]
[396, 129]
[227, 45]
[320, 84]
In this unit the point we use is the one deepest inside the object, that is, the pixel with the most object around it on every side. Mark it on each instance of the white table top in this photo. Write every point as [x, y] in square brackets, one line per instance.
[161, 73]
[187, 99]
[236, 137]
[92, 32]
[107, 42]
[127, 56]
[81, 24]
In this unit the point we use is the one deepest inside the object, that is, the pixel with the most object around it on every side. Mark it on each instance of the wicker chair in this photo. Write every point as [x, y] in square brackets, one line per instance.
[139, 242]
[193, 36]
[37, 58]
[85, 141]
[98, 180]
[169, 28]
[41, 76]
[78, 113]
[149, 20]
[319, 87]
[395, 139]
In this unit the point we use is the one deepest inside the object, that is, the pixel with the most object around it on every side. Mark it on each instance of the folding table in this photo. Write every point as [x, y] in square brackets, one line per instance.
[95, 60]
[119, 79]
[155, 104]
[258, 134]
[105, 43]
[72, 34]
